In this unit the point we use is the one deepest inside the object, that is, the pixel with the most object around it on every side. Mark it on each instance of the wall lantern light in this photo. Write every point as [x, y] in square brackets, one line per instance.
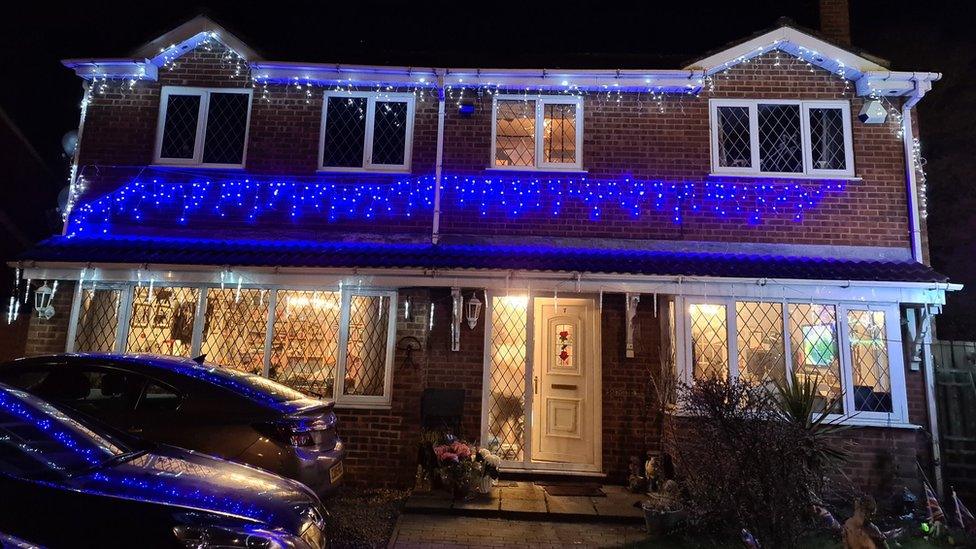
[473, 311]
[42, 301]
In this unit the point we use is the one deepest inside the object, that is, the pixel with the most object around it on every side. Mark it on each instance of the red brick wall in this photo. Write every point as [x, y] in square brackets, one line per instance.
[630, 135]
[51, 335]
[835, 21]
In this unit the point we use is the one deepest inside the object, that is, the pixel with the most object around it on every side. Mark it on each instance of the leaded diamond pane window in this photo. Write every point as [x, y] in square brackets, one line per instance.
[709, 341]
[226, 128]
[345, 132]
[98, 321]
[305, 345]
[162, 320]
[813, 340]
[780, 141]
[559, 133]
[369, 325]
[515, 133]
[759, 339]
[390, 133]
[869, 361]
[827, 139]
[734, 143]
[506, 398]
[180, 126]
[235, 328]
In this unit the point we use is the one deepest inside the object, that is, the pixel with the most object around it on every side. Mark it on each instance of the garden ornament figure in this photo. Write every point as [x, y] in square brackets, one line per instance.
[859, 532]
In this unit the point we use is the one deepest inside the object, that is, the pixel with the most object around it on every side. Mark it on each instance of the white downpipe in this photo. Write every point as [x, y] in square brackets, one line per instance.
[931, 406]
[915, 230]
[438, 166]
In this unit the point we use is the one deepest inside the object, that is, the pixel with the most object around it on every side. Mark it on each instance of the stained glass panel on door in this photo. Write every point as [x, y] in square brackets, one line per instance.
[813, 340]
[709, 341]
[759, 338]
[98, 321]
[507, 363]
[234, 328]
[369, 326]
[162, 320]
[869, 361]
[305, 345]
[564, 345]
[515, 133]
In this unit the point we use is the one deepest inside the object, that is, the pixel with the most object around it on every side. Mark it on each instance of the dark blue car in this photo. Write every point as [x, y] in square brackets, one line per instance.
[67, 481]
[218, 411]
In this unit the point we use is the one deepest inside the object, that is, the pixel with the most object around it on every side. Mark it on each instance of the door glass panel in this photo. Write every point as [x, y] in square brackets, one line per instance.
[305, 348]
[369, 325]
[565, 336]
[813, 339]
[869, 361]
[98, 321]
[759, 335]
[234, 328]
[162, 320]
[709, 341]
[506, 399]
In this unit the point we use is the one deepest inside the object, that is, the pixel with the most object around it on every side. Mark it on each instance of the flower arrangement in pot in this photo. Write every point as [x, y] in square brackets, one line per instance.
[487, 464]
[456, 467]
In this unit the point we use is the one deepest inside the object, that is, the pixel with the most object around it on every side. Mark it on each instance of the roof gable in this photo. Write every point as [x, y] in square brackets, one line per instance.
[803, 45]
[186, 37]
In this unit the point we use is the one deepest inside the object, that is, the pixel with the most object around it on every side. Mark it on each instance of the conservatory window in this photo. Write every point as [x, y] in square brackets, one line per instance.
[98, 320]
[507, 368]
[538, 133]
[366, 131]
[709, 341]
[234, 328]
[813, 338]
[759, 342]
[869, 360]
[162, 320]
[781, 138]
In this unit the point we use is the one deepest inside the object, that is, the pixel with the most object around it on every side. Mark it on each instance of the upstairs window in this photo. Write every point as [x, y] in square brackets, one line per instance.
[538, 133]
[366, 131]
[781, 138]
[206, 127]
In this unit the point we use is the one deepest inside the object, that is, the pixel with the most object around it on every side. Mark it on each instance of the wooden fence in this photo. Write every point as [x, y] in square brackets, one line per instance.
[955, 377]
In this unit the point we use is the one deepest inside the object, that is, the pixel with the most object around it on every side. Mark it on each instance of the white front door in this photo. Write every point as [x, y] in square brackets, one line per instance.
[566, 404]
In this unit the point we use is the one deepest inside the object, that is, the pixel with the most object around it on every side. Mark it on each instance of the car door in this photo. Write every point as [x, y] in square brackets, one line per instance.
[102, 392]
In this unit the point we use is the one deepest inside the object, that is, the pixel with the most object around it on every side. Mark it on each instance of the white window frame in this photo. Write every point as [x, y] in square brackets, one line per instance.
[896, 365]
[371, 99]
[126, 301]
[807, 154]
[203, 113]
[540, 102]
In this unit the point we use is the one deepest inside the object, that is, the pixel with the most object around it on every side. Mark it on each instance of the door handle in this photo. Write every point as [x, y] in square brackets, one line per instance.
[535, 385]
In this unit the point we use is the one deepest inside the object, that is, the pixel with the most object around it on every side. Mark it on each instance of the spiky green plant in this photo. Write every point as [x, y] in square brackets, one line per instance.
[799, 403]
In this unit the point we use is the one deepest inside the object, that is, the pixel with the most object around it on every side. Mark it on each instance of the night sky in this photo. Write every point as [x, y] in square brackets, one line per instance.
[41, 97]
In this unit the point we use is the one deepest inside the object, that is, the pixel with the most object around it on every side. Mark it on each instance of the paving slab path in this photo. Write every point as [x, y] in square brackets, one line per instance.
[422, 530]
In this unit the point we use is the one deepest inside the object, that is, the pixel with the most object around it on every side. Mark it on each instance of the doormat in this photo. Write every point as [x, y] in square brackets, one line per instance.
[586, 490]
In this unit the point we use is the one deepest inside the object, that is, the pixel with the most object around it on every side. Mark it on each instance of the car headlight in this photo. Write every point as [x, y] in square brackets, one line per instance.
[219, 537]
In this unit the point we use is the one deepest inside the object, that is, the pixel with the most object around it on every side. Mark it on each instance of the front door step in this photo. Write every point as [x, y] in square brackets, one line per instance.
[527, 501]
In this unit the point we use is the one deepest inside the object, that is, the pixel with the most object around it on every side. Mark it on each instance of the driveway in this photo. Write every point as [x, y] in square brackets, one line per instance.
[418, 530]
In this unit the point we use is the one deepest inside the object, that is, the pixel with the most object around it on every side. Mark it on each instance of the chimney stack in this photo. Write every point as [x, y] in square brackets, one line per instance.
[835, 21]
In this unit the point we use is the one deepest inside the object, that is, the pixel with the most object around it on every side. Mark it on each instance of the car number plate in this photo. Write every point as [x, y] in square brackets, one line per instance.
[335, 473]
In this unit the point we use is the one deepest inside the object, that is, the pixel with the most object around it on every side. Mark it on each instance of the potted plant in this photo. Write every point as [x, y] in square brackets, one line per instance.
[487, 466]
[662, 510]
[455, 461]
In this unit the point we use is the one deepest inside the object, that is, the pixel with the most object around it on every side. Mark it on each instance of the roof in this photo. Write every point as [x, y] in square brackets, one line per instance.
[868, 71]
[365, 255]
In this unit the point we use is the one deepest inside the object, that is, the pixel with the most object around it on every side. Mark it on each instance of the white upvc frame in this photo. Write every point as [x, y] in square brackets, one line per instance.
[371, 99]
[896, 365]
[540, 101]
[203, 115]
[126, 303]
[805, 138]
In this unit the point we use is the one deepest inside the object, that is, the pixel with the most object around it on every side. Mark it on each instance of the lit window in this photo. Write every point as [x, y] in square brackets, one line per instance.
[759, 339]
[813, 338]
[869, 361]
[234, 328]
[506, 393]
[709, 341]
[98, 321]
[538, 133]
[787, 138]
[162, 320]
[305, 348]
[200, 126]
[366, 130]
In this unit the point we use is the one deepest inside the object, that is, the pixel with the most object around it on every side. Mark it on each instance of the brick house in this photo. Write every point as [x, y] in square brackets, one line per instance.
[335, 227]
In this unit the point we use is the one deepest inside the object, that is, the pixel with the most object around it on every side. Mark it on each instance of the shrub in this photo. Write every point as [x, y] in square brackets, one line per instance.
[745, 463]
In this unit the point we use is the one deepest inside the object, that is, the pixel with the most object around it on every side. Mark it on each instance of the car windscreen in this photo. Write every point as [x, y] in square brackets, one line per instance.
[39, 441]
[255, 388]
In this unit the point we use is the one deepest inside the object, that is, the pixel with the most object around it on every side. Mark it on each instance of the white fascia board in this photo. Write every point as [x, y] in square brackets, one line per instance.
[769, 289]
[894, 84]
[112, 69]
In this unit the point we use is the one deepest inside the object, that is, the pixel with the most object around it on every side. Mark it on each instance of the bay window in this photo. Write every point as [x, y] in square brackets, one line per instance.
[781, 138]
[843, 350]
[326, 343]
[543, 132]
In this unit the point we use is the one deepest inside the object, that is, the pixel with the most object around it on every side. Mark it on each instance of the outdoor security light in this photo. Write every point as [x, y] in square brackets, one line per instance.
[873, 112]
[42, 301]
[473, 311]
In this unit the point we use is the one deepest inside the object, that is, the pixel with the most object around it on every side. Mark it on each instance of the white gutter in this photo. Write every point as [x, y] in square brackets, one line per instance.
[439, 162]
